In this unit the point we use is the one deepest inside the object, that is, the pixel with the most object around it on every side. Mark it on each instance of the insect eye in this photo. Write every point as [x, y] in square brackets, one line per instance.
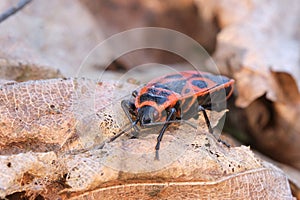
[134, 93]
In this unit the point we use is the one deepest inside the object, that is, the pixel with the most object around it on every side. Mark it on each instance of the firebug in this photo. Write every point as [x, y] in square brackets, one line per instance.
[175, 97]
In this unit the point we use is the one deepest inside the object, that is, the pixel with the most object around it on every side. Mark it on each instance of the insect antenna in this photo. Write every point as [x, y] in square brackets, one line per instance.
[124, 131]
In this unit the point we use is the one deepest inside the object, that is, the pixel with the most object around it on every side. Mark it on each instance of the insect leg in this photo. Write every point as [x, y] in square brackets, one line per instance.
[119, 134]
[129, 108]
[200, 108]
[161, 134]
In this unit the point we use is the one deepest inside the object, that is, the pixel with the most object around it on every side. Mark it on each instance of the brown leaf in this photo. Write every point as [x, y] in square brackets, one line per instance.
[292, 174]
[44, 115]
[261, 51]
[192, 162]
[209, 171]
[258, 44]
[19, 70]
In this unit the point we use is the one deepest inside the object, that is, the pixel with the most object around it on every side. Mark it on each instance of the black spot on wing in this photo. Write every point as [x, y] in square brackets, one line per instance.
[151, 97]
[158, 92]
[199, 83]
[173, 86]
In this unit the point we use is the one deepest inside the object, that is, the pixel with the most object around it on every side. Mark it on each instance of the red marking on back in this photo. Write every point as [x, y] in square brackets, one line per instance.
[186, 77]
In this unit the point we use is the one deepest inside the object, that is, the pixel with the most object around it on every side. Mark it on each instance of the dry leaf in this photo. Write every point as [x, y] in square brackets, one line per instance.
[292, 174]
[257, 44]
[261, 51]
[208, 168]
[39, 117]
[44, 115]
[19, 70]
[210, 171]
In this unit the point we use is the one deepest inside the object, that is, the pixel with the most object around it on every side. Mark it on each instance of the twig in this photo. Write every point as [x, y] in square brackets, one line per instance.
[13, 10]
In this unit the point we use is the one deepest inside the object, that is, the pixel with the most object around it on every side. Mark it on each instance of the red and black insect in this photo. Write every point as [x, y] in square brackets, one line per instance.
[175, 97]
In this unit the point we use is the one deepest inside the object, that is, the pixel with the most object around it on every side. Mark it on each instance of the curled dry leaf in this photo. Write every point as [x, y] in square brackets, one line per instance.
[275, 129]
[261, 51]
[50, 112]
[254, 40]
[257, 44]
